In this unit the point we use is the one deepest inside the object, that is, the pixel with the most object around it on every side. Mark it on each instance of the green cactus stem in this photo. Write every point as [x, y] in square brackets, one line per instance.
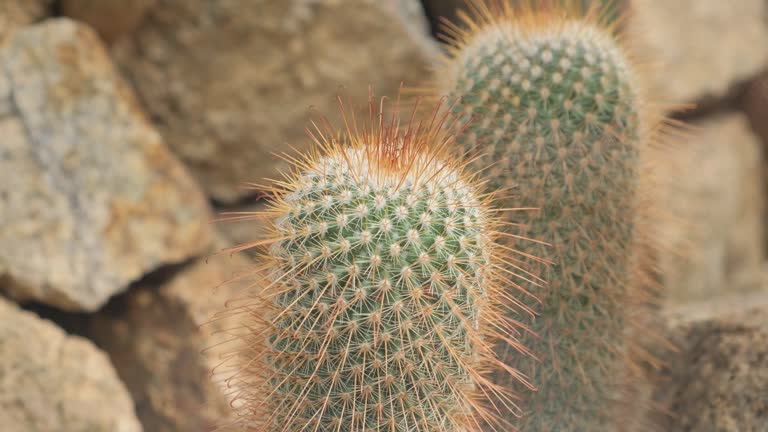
[560, 118]
[386, 291]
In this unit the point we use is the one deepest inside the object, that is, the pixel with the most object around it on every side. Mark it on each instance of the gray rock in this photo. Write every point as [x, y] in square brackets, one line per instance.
[17, 13]
[699, 48]
[230, 83]
[156, 335]
[717, 380]
[52, 382]
[91, 198]
[111, 18]
[714, 210]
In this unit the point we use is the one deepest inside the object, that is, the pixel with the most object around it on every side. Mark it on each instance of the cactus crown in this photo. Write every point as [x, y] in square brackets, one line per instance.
[387, 291]
[562, 120]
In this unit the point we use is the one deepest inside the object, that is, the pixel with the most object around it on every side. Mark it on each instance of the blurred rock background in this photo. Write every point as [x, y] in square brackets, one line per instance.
[127, 126]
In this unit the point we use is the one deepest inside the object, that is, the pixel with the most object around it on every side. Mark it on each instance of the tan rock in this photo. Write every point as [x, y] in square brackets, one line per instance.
[715, 210]
[412, 13]
[17, 13]
[111, 18]
[52, 382]
[91, 198]
[699, 48]
[717, 380]
[156, 335]
[229, 84]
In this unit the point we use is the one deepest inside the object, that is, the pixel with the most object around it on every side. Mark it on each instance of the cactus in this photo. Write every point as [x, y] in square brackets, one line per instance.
[386, 294]
[562, 121]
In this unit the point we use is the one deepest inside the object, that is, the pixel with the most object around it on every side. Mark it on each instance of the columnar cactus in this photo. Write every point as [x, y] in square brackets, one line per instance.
[385, 295]
[562, 122]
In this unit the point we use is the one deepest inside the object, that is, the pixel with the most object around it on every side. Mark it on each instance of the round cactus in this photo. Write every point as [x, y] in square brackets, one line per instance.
[561, 122]
[386, 292]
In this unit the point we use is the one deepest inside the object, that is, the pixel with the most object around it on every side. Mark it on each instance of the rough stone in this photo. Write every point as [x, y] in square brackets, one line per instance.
[17, 13]
[717, 379]
[52, 382]
[111, 18]
[156, 335]
[699, 48]
[90, 197]
[714, 210]
[229, 84]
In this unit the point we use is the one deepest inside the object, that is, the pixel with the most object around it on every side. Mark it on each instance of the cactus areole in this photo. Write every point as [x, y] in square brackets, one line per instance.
[385, 295]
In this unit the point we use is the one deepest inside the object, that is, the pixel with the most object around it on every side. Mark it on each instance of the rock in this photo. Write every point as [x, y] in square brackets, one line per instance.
[440, 10]
[699, 48]
[52, 382]
[17, 13]
[755, 103]
[717, 380]
[228, 84]
[715, 210]
[411, 12]
[91, 198]
[155, 335]
[111, 18]
[240, 225]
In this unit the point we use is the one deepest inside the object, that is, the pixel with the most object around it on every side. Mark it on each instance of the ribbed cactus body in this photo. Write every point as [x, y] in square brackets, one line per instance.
[383, 297]
[558, 119]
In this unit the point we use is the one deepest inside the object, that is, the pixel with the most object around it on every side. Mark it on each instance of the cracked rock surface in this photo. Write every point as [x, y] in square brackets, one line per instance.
[91, 199]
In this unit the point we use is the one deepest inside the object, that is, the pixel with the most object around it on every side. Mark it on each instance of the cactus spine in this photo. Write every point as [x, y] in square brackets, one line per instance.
[386, 291]
[560, 118]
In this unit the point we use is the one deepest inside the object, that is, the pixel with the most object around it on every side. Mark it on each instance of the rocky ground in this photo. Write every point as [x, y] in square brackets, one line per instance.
[127, 126]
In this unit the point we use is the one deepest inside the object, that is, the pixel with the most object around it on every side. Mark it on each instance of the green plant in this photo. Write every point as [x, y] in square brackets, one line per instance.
[386, 290]
[561, 120]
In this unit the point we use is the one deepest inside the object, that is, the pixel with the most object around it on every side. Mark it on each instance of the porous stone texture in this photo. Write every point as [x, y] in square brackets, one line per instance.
[156, 335]
[111, 18]
[53, 382]
[17, 13]
[699, 48]
[229, 83]
[717, 380]
[90, 197]
[714, 210]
